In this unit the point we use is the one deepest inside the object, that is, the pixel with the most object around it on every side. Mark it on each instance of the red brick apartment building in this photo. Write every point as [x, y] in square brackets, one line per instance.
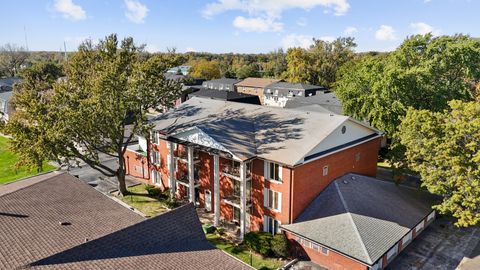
[253, 166]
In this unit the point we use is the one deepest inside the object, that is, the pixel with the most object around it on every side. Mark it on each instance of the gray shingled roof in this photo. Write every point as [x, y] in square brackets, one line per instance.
[294, 86]
[276, 134]
[361, 216]
[223, 81]
[117, 238]
[225, 95]
[319, 102]
[6, 96]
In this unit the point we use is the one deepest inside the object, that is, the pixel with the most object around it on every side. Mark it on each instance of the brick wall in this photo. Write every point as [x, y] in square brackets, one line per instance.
[331, 261]
[308, 179]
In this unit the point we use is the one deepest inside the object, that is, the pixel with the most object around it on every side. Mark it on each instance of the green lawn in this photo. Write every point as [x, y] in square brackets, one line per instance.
[8, 171]
[148, 205]
[242, 253]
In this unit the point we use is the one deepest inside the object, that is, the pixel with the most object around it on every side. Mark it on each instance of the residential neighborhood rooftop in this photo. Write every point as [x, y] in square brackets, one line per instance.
[246, 131]
[361, 216]
[320, 101]
[257, 82]
[55, 221]
[226, 95]
[280, 85]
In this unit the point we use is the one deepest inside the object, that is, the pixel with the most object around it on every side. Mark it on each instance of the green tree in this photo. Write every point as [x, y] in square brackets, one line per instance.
[205, 69]
[11, 59]
[86, 114]
[425, 72]
[250, 70]
[444, 147]
[298, 65]
[327, 57]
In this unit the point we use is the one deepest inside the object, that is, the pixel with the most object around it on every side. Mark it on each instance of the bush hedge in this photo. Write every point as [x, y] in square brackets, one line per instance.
[259, 242]
[280, 246]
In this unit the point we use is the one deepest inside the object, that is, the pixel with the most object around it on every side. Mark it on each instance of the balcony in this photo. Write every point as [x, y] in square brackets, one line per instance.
[233, 171]
[182, 179]
[234, 199]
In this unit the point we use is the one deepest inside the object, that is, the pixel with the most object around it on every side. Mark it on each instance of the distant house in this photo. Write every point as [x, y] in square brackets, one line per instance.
[184, 70]
[6, 93]
[277, 94]
[254, 86]
[226, 84]
[55, 221]
[226, 96]
[322, 101]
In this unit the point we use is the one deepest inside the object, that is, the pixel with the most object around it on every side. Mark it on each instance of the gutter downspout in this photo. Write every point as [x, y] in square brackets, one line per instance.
[291, 197]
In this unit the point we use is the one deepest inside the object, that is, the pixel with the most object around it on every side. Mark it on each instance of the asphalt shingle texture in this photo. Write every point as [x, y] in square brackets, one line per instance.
[361, 216]
[101, 233]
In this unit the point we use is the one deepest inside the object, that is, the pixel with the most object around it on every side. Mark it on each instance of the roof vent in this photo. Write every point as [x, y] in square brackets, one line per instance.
[353, 178]
[64, 223]
[345, 182]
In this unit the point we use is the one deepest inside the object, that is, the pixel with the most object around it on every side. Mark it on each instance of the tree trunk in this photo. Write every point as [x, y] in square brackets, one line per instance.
[122, 187]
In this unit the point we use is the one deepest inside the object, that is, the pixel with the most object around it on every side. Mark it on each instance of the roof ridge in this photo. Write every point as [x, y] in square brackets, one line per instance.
[345, 206]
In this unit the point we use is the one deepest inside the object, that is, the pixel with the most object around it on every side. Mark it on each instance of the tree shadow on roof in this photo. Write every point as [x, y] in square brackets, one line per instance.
[177, 231]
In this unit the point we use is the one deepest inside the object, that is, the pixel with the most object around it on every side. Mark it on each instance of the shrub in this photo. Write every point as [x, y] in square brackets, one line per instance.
[259, 242]
[152, 190]
[280, 246]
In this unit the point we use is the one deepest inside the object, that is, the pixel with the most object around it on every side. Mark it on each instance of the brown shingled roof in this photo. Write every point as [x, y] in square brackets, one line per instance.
[101, 233]
[256, 82]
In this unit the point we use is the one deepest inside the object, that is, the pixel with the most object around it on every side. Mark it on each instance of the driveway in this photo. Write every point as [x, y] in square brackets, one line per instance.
[96, 179]
[441, 246]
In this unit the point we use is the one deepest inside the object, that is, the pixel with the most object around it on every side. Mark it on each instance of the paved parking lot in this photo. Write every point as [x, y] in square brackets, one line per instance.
[441, 246]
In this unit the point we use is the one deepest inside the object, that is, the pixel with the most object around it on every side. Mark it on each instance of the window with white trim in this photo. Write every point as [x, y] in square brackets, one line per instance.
[155, 157]
[154, 137]
[271, 225]
[273, 171]
[315, 247]
[272, 199]
[324, 250]
[431, 216]
[236, 213]
[325, 170]
[407, 239]
[392, 252]
[156, 177]
[419, 227]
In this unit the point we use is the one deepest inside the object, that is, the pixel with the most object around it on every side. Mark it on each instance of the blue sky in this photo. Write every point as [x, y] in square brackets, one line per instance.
[245, 26]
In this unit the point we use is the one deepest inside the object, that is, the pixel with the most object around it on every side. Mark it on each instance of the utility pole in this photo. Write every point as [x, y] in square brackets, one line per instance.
[26, 40]
[65, 49]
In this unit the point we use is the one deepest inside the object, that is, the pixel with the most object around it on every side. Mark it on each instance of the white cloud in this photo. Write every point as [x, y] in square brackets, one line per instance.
[270, 11]
[302, 22]
[152, 48]
[136, 12]
[350, 30]
[327, 38]
[294, 40]
[385, 33]
[70, 10]
[257, 25]
[190, 49]
[423, 28]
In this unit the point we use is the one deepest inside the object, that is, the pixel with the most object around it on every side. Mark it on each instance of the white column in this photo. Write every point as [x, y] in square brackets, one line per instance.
[243, 197]
[216, 188]
[191, 175]
[170, 163]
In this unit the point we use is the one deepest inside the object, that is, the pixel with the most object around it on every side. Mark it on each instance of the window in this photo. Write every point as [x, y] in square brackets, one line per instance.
[155, 157]
[156, 177]
[407, 239]
[392, 252]
[273, 171]
[325, 170]
[431, 216]
[315, 247]
[272, 199]
[419, 228]
[271, 225]
[324, 250]
[236, 213]
[154, 137]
